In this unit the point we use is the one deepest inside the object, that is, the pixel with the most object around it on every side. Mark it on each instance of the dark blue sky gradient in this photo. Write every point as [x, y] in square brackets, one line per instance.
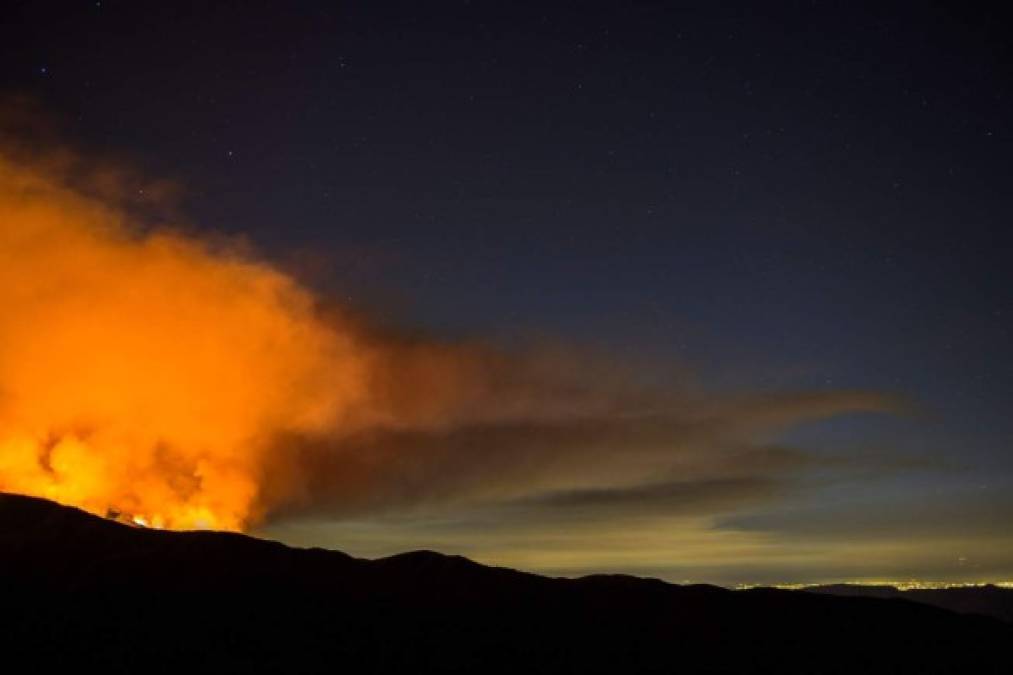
[803, 195]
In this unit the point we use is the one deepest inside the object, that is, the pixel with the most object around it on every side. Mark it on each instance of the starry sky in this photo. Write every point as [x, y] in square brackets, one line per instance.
[794, 197]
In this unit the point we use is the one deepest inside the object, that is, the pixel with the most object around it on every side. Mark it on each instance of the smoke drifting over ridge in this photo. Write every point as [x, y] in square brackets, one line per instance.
[190, 384]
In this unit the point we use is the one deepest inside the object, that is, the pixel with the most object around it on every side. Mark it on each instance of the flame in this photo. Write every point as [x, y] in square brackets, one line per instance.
[147, 372]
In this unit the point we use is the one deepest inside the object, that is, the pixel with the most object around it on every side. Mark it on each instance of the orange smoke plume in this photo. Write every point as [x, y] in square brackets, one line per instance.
[145, 372]
[185, 384]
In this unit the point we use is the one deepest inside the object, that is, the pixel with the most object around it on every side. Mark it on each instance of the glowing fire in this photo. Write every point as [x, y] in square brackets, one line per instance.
[147, 372]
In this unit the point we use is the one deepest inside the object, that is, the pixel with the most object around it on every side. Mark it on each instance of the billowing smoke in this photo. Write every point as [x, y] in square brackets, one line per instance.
[189, 384]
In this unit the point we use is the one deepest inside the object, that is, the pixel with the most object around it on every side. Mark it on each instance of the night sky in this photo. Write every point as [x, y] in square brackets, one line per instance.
[798, 197]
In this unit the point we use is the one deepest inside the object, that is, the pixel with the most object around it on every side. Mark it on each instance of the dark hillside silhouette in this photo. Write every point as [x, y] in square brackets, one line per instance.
[987, 600]
[82, 592]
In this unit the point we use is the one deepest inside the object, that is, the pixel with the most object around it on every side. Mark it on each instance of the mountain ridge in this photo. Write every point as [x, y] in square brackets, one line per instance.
[84, 590]
[986, 599]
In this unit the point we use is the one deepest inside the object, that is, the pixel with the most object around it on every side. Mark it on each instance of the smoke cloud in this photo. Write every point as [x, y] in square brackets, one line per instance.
[188, 383]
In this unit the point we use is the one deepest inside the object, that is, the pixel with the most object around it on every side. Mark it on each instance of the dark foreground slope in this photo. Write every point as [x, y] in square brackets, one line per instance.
[986, 600]
[80, 592]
